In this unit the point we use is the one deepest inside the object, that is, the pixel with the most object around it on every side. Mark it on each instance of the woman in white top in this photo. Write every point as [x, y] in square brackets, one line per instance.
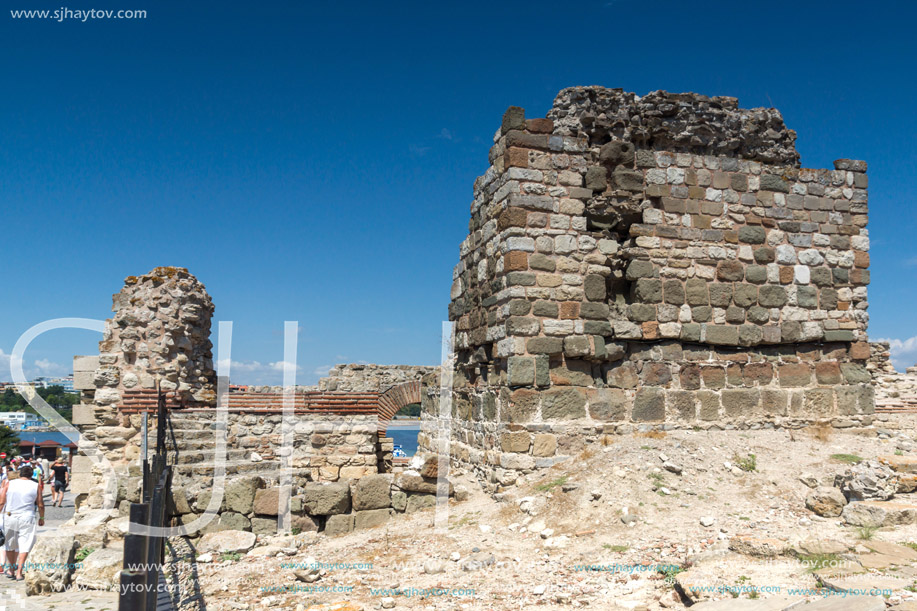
[18, 503]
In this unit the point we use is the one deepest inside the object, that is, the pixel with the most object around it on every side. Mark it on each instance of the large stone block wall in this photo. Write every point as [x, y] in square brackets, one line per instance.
[250, 503]
[659, 260]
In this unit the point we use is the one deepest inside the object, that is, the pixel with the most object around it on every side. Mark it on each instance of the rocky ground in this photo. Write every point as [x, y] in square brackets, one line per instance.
[649, 521]
[818, 518]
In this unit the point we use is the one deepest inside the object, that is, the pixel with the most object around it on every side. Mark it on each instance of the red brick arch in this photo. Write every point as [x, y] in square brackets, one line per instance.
[394, 399]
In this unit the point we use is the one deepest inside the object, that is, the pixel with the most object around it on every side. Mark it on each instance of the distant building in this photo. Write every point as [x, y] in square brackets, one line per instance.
[21, 421]
[14, 420]
[66, 383]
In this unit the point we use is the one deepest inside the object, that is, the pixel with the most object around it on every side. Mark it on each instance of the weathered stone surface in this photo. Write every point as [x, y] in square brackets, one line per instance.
[240, 494]
[339, 524]
[757, 547]
[231, 520]
[226, 541]
[563, 403]
[411, 481]
[372, 492]
[516, 441]
[826, 501]
[900, 464]
[101, 569]
[879, 513]
[545, 444]
[868, 480]
[649, 404]
[264, 525]
[51, 564]
[266, 501]
[370, 518]
[608, 404]
[321, 499]
[417, 502]
[520, 371]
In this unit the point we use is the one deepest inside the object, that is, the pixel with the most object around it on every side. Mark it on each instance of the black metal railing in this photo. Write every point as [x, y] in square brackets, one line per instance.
[144, 553]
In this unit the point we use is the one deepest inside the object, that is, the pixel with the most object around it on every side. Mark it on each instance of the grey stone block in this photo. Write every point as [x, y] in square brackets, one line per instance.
[520, 371]
[371, 518]
[326, 498]
[372, 492]
[339, 524]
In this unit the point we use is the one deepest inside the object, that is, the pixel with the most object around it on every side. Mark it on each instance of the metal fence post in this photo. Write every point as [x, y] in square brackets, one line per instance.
[132, 596]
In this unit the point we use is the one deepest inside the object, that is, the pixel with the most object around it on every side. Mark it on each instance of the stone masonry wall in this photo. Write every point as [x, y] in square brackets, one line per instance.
[880, 356]
[654, 261]
[160, 332]
[357, 377]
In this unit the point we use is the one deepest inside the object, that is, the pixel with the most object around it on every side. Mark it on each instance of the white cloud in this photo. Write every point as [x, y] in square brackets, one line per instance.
[903, 352]
[322, 370]
[40, 367]
[49, 368]
[445, 134]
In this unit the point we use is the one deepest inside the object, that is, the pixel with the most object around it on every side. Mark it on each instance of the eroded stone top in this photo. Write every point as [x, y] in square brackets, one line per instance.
[675, 122]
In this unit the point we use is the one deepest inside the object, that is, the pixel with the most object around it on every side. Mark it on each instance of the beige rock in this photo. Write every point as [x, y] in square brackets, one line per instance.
[879, 513]
[901, 464]
[100, 569]
[758, 547]
[901, 552]
[226, 541]
[826, 501]
[545, 444]
[516, 441]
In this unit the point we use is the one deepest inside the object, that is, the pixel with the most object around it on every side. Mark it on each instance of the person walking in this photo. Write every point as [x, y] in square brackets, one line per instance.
[59, 477]
[10, 475]
[18, 502]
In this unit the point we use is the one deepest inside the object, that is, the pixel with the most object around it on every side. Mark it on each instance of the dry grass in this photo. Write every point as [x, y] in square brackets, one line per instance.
[653, 434]
[508, 513]
[586, 454]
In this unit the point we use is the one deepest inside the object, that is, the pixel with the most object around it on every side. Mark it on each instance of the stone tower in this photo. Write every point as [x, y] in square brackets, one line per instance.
[638, 262]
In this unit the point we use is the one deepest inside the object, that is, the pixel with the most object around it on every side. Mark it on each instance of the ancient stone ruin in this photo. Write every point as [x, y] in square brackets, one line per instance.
[657, 261]
[159, 337]
[632, 263]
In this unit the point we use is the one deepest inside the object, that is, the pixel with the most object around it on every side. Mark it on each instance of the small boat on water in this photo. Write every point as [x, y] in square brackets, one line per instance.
[398, 452]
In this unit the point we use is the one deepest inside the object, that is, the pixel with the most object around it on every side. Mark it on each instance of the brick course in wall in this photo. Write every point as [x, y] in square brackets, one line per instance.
[655, 260]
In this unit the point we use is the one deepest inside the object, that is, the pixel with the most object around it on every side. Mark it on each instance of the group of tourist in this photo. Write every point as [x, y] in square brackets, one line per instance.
[21, 497]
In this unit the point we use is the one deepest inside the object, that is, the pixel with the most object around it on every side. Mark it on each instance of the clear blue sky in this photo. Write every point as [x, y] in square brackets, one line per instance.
[314, 161]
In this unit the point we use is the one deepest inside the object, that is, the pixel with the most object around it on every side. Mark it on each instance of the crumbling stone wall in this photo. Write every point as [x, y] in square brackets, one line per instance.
[160, 332]
[648, 261]
[359, 377]
[880, 358]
